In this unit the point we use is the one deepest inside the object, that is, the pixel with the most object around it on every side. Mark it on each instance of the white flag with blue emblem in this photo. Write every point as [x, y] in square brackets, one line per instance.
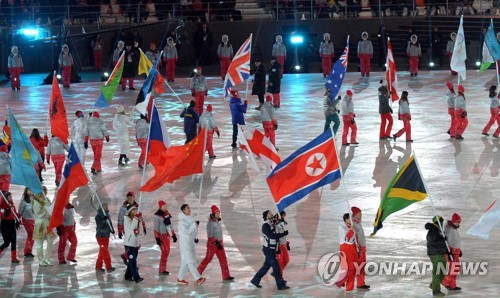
[459, 55]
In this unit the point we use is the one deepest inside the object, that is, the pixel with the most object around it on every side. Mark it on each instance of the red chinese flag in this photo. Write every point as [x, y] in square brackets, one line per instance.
[57, 113]
[176, 162]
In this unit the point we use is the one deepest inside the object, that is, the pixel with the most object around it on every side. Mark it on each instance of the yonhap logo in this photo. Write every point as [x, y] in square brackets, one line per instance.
[332, 267]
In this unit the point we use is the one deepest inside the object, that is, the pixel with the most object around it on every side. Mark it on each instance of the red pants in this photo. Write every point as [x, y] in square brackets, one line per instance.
[224, 65]
[365, 66]
[360, 276]
[130, 83]
[276, 99]
[283, 258]
[97, 149]
[103, 256]
[98, 59]
[450, 280]
[281, 61]
[451, 112]
[460, 123]
[385, 125]
[15, 73]
[221, 255]
[414, 64]
[269, 131]
[170, 69]
[29, 225]
[58, 161]
[210, 140]
[406, 127]
[199, 98]
[142, 143]
[67, 234]
[349, 125]
[4, 182]
[165, 251]
[494, 117]
[326, 64]
[66, 76]
[351, 255]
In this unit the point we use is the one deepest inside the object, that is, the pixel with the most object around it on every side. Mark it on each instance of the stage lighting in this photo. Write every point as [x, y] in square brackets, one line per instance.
[478, 63]
[431, 64]
[297, 67]
[296, 39]
[30, 32]
[106, 74]
[58, 77]
[195, 70]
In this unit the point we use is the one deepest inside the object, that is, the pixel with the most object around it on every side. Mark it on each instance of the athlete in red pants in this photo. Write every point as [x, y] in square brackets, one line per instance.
[361, 241]
[15, 65]
[494, 112]
[207, 121]
[365, 54]
[96, 132]
[65, 63]
[225, 54]
[460, 114]
[326, 52]
[348, 120]
[279, 51]
[163, 229]
[26, 212]
[215, 245]
[56, 151]
[103, 231]
[348, 248]
[284, 245]
[405, 116]
[414, 52]
[450, 100]
[170, 57]
[269, 122]
[199, 90]
[385, 111]
[451, 232]
[66, 233]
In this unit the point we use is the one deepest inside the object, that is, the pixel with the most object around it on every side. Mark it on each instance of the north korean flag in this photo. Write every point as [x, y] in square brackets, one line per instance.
[312, 166]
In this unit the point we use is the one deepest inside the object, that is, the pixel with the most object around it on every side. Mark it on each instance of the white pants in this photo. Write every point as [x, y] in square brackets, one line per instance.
[192, 269]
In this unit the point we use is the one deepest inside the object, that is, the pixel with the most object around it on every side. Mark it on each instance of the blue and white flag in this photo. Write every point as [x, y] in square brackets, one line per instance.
[492, 43]
[336, 76]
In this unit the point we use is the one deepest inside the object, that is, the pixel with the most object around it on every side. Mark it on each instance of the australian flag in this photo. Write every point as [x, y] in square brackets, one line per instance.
[336, 77]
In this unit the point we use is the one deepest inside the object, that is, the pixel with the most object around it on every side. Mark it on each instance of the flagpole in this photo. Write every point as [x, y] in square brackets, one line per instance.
[175, 94]
[7, 201]
[202, 170]
[432, 204]
[145, 156]
[387, 70]
[252, 159]
[498, 76]
[48, 112]
[345, 189]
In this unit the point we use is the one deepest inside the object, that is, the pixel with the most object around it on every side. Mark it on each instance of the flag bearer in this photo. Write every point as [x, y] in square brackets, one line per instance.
[436, 250]
[450, 100]
[67, 232]
[461, 120]
[361, 240]
[348, 247]
[453, 237]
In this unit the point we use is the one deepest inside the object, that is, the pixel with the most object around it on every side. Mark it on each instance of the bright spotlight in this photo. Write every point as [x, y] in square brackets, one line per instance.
[478, 63]
[106, 74]
[58, 76]
[297, 39]
[32, 32]
[385, 65]
[297, 67]
[431, 64]
[195, 70]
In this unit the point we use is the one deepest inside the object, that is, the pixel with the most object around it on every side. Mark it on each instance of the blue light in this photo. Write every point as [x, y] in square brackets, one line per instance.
[297, 39]
[29, 32]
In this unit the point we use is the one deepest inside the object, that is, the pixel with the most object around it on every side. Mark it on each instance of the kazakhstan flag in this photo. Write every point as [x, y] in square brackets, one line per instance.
[24, 157]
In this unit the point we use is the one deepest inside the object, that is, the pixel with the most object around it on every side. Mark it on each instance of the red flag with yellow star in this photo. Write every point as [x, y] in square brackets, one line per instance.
[176, 162]
[312, 166]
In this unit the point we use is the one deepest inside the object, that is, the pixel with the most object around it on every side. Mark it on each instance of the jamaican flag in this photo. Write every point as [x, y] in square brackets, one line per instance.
[406, 188]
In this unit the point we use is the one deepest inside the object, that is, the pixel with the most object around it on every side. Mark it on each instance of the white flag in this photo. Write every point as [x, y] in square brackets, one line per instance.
[459, 55]
[487, 222]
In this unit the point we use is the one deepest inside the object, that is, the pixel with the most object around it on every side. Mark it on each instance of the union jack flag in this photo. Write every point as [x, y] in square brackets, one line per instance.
[239, 69]
[336, 77]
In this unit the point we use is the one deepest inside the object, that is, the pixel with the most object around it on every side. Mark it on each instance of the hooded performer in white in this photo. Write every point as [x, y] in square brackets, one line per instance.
[78, 134]
[121, 123]
[187, 231]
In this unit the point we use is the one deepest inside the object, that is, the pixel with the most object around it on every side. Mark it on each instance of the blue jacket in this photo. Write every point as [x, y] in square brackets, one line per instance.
[191, 120]
[237, 110]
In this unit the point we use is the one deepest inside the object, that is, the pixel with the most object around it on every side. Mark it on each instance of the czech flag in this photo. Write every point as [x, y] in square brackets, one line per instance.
[159, 140]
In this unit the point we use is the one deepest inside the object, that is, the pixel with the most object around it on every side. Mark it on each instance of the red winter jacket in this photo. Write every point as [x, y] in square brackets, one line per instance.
[40, 144]
[4, 208]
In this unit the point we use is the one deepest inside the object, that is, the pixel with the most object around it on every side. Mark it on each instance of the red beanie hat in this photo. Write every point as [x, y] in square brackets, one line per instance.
[349, 93]
[461, 88]
[214, 209]
[456, 218]
[269, 98]
[355, 210]
[161, 203]
[130, 194]
[95, 114]
[210, 108]
[234, 92]
[449, 85]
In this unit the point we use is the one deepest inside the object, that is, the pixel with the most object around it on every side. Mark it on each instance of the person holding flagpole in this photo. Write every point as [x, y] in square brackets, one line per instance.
[104, 228]
[141, 136]
[494, 111]
[5, 167]
[356, 216]
[385, 111]
[131, 242]
[282, 255]
[436, 250]
[461, 120]
[347, 237]
[450, 100]
[453, 237]
[67, 232]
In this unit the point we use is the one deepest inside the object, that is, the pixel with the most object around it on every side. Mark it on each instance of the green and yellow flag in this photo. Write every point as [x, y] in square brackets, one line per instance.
[406, 188]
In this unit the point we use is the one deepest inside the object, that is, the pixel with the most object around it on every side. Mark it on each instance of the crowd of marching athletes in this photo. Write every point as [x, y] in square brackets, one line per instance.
[33, 211]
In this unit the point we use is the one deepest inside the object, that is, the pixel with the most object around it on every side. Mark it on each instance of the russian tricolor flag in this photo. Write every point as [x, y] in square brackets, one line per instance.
[312, 166]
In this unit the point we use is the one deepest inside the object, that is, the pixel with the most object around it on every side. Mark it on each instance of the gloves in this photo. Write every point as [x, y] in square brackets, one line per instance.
[138, 215]
[192, 92]
[464, 114]
[17, 225]
[174, 237]
[59, 231]
[218, 245]
[391, 110]
[288, 245]
[120, 235]
[285, 233]
[105, 217]
[196, 240]
[218, 133]
[460, 255]
[166, 221]
[107, 139]
[352, 121]
[145, 231]
[86, 145]
[276, 127]
[158, 241]
[48, 161]
[246, 102]
[206, 92]
[197, 222]
[136, 231]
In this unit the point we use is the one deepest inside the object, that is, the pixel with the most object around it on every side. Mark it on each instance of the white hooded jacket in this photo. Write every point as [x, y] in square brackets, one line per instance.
[121, 122]
[187, 233]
